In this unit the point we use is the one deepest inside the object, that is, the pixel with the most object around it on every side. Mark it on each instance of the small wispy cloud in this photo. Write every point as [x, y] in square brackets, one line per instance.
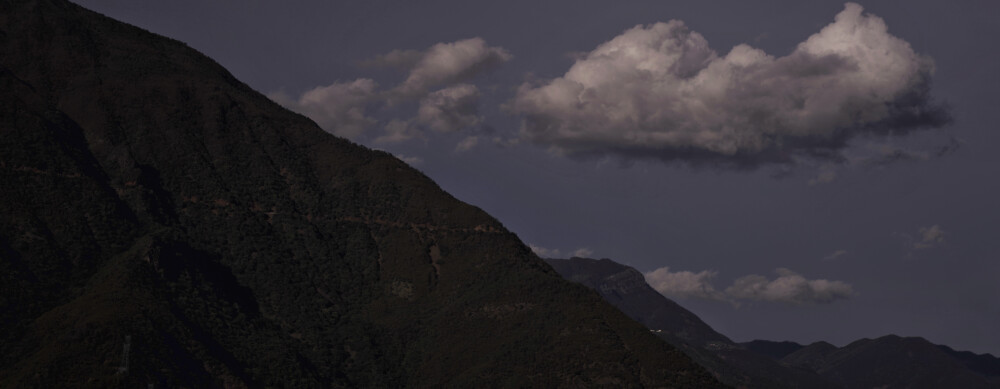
[929, 237]
[436, 78]
[469, 143]
[789, 287]
[410, 160]
[543, 252]
[825, 176]
[399, 131]
[835, 255]
[448, 63]
[925, 238]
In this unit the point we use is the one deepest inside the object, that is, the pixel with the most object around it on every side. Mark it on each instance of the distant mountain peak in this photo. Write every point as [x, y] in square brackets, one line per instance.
[626, 288]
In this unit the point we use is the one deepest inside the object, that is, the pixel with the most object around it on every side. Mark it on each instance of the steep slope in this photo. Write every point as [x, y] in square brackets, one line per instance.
[164, 224]
[626, 288]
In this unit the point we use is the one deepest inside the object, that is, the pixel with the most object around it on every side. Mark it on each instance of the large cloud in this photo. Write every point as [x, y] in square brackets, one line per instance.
[789, 287]
[660, 91]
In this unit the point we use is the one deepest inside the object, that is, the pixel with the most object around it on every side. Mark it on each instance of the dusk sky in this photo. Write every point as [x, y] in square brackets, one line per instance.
[786, 170]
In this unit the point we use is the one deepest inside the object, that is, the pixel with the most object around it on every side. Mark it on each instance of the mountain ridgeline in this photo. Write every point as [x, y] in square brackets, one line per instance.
[164, 224]
[887, 362]
[626, 288]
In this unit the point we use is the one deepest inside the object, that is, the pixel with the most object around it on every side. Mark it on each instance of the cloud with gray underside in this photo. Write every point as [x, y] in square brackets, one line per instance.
[448, 63]
[788, 287]
[450, 109]
[659, 91]
[437, 78]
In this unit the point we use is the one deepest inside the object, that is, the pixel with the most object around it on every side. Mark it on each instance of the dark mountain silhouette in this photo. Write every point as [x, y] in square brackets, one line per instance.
[626, 288]
[811, 357]
[985, 364]
[891, 362]
[164, 224]
[775, 350]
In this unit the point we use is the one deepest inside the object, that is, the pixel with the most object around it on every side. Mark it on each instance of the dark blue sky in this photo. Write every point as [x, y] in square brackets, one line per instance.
[874, 235]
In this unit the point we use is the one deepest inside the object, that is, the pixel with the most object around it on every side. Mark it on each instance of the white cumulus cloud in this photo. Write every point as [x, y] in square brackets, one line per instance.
[660, 91]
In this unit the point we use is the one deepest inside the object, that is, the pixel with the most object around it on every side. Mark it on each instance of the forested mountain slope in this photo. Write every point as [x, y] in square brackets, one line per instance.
[162, 223]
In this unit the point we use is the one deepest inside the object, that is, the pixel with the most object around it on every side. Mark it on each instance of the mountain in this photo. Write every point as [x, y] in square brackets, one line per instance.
[163, 224]
[626, 288]
[812, 357]
[889, 361]
[775, 350]
[984, 364]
